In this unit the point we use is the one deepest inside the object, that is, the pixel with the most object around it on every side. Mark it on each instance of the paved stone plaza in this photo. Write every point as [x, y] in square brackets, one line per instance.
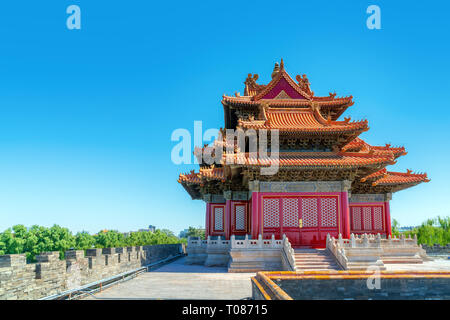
[437, 264]
[180, 281]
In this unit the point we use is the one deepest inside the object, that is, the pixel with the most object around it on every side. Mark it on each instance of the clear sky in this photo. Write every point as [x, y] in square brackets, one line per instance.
[86, 115]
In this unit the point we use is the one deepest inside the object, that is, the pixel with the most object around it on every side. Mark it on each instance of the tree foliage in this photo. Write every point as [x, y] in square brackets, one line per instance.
[37, 239]
[394, 228]
[196, 232]
[432, 231]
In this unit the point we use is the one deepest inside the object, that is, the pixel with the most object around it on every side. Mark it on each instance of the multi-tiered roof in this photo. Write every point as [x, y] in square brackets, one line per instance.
[313, 143]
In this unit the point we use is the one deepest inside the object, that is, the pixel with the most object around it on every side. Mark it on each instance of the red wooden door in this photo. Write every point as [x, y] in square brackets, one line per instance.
[290, 219]
[271, 217]
[306, 220]
[319, 216]
[328, 218]
[309, 215]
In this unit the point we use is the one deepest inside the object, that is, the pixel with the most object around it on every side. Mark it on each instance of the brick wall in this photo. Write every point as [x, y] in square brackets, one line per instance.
[356, 289]
[50, 275]
[437, 249]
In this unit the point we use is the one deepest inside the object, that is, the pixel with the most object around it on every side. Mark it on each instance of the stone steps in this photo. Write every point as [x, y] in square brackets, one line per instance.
[401, 259]
[364, 266]
[313, 259]
[312, 263]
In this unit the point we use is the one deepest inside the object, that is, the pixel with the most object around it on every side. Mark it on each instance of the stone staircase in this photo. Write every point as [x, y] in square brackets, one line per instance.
[314, 259]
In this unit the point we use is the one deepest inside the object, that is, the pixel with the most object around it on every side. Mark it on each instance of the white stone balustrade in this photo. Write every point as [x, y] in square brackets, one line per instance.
[359, 252]
[288, 251]
[256, 243]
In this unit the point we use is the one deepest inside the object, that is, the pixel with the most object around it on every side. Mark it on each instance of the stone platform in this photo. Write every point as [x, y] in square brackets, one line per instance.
[178, 281]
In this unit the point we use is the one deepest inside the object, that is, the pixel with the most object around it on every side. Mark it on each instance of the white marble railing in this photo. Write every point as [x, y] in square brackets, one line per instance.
[337, 249]
[371, 248]
[288, 252]
[402, 241]
[255, 243]
[196, 242]
[374, 241]
[219, 242]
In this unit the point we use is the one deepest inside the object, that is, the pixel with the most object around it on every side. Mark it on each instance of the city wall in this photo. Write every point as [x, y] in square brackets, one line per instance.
[50, 275]
[437, 249]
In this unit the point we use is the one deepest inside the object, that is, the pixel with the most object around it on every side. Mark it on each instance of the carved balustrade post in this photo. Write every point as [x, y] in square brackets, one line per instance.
[378, 240]
[365, 240]
[402, 239]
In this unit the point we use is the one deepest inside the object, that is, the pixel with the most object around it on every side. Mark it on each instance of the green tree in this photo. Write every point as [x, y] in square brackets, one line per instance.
[432, 231]
[109, 239]
[196, 232]
[83, 240]
[168, 232]
[38, 239]
[394, 228]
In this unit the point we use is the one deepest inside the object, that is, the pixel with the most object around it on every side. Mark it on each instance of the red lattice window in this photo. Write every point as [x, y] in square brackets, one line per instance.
[239, 215]
[367, 218]
[271, 209]
[290, 212]
[309, 212]
[378, 218]
[367, 214]
[329, 212]
[356, 218]
[218, 218]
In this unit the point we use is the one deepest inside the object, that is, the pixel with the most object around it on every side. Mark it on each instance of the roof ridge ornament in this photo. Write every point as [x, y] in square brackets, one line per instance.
[251, 87]
[315, 106]
[304, 84]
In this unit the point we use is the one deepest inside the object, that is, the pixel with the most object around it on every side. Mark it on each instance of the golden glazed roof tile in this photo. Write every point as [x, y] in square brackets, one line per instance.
[359, 145]
[310, 159]
[302, 120]
[401, 178]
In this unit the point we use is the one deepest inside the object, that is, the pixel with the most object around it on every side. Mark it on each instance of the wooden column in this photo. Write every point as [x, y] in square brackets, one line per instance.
[227, 219]
[346, 186]
[345, 216]
[207, 220]
[388, 214]
[228, 195]
[256, 212]
[255, 216]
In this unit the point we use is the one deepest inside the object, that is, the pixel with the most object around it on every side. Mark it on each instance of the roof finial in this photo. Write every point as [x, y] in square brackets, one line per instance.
[276, 69]
[281, 64]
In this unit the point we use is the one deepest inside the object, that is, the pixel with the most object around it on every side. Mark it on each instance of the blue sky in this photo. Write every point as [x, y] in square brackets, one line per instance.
[86, 115]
